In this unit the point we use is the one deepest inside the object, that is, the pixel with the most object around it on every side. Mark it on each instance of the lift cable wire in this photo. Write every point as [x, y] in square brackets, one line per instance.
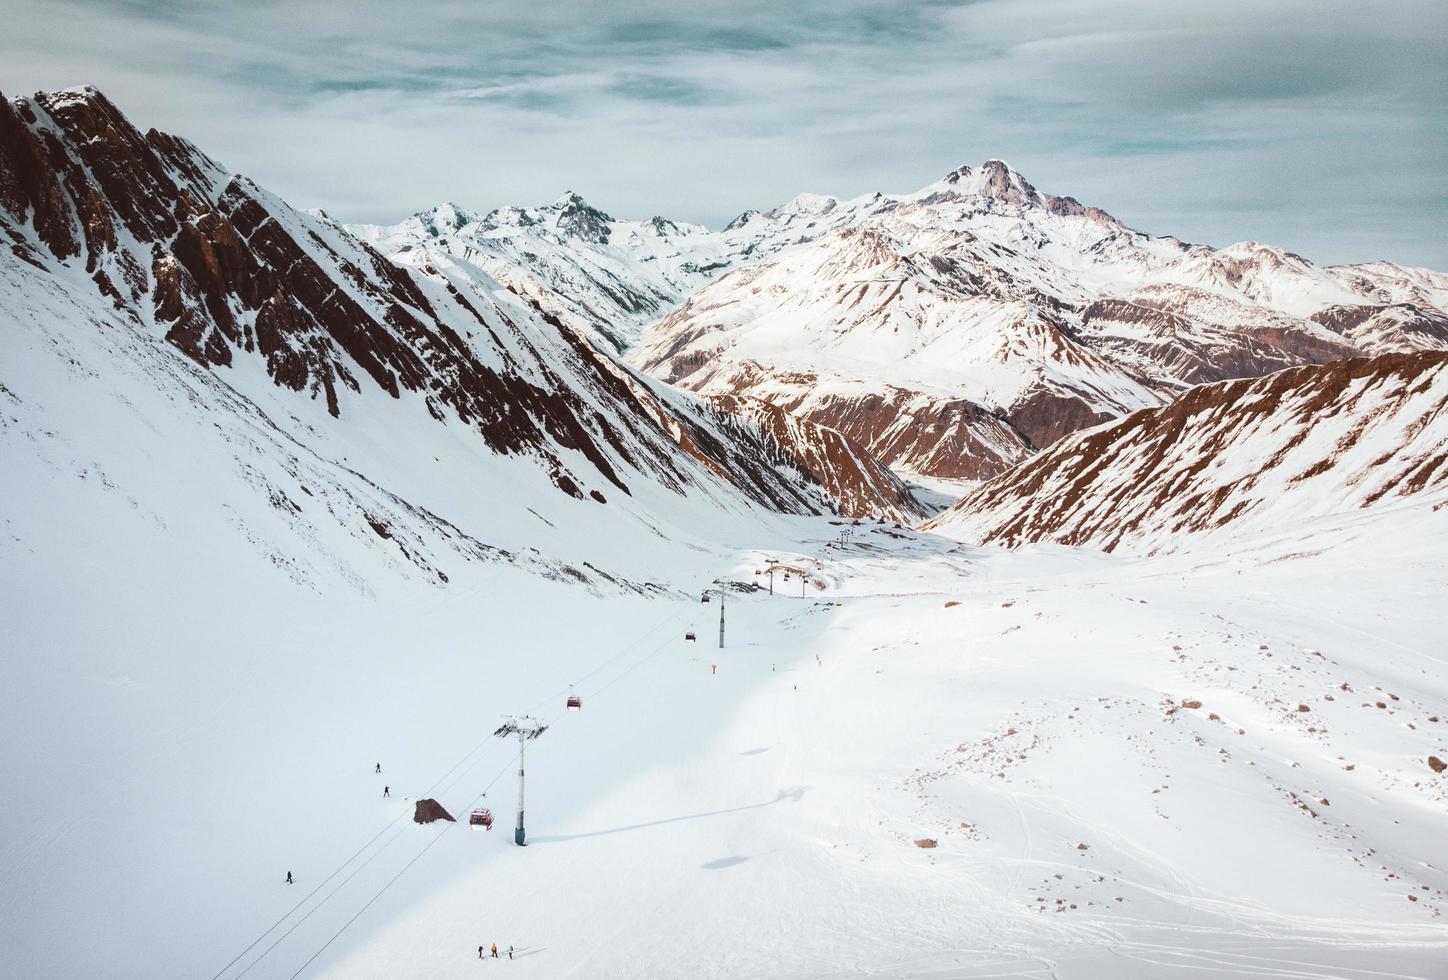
[342, 884]
[471, 752]
[552, 721]
[393, 880]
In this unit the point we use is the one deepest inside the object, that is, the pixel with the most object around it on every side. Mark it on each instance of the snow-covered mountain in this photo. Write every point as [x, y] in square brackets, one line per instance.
[607, 277]
[952, 331]
[143, 245]
[285, 528]
[1245, 458]
[855, 479]
[958, 329]
[603, 276]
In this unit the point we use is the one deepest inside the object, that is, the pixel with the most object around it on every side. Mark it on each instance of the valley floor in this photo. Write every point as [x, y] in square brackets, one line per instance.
[1203, 765]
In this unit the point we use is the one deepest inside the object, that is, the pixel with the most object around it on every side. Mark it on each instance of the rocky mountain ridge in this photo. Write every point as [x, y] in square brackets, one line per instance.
[107, 229]
[1244, 457]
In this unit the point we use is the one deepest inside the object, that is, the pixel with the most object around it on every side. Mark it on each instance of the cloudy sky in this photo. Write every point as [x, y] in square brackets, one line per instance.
[1318, 125]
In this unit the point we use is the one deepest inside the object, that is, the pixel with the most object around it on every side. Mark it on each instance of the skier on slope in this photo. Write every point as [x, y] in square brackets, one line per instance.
[495, 950]
[379, 767]
[386, 791]
[510, 952]
[289, 877]
[480, 952]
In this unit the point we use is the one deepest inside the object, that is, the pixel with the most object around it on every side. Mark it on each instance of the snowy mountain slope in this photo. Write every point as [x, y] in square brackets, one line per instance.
[251, 475]
[1108, 756]
[833, 327]
[1009, 705]
[603, 276]
[951, 331]
[109, 229]
[857, 484]
[863, 486]
[1026, 316]
[1238, 458]
[230, 589]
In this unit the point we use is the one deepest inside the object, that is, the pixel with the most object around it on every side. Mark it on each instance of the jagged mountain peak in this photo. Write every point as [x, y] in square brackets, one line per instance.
[73, 95]
[1001, 185]
[577, 217]
[446, 218]
[1251, 250]
[805, 204]
[743, 219]
[569, 199]
[993, 179]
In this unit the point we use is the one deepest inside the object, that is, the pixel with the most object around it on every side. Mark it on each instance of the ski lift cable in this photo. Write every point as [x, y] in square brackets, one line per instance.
[649, 656]
[343, 884]
[668, 641]
[686, 609]
[393, 880]
[340, 868]
[552, 698]
[624, 651]
[307, 897]
[358, 869]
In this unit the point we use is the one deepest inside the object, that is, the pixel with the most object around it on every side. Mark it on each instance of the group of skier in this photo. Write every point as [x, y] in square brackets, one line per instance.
[494, 953]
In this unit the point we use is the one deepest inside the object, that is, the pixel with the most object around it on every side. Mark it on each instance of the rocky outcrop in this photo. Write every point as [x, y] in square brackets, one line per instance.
[1304, 442]
[430, 811]
[855, 478]
[226, 271]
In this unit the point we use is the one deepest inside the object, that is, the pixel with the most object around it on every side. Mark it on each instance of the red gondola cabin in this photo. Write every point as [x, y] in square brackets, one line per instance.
[480, 819]
[689, 636]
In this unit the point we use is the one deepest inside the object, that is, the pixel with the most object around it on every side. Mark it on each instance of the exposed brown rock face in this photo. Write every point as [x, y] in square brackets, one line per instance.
[952, 438]
[1397, 326]
[1178, 349]
[852, 475]
[430, 811]
[224, 270]
[1221, 453]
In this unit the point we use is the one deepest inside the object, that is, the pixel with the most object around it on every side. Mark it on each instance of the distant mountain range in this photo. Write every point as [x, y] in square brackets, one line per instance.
[138, 262]
[953, 331]
[820, 356]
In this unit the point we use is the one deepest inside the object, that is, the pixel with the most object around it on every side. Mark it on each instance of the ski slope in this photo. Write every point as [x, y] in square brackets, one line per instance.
[755, 822]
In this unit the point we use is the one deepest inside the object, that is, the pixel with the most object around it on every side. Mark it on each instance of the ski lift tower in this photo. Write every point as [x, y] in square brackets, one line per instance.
[526, 729]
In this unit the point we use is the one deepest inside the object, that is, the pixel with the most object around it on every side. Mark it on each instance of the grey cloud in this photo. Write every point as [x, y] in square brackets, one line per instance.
[1316, 124]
